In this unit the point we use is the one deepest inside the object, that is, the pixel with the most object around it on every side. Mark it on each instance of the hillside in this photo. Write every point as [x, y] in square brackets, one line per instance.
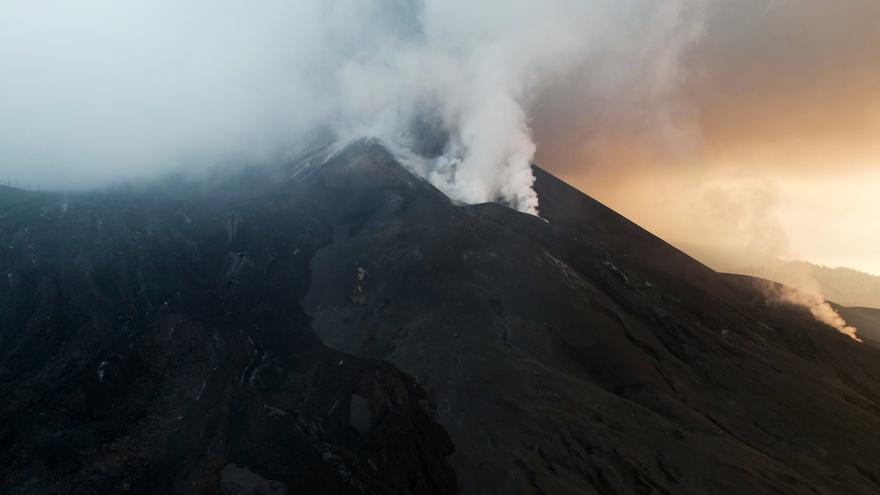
[337, 325]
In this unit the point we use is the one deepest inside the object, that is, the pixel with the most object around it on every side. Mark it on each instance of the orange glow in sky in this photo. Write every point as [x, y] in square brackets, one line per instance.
[772, 144]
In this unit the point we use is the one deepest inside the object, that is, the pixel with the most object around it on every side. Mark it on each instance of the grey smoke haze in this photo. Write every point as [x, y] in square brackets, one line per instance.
[748, 209]
[98, 91]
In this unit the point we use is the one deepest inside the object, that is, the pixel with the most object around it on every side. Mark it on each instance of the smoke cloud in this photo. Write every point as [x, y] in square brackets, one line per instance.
[782, 90]
[99, 91]
[748, 209]
[820, 308]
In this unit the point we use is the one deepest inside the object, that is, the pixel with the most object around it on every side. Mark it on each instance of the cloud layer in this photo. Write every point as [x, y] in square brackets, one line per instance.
[781, 97]
[100, 90]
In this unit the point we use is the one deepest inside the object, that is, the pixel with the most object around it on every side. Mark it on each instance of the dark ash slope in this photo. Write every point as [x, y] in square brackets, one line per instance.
[153, 342]
[166, 339]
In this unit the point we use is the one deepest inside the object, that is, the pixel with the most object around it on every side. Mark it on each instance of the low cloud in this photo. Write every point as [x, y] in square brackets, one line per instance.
[99, 90]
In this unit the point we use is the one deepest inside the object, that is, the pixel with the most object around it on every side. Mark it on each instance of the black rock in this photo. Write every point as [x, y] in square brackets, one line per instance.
[309, 328]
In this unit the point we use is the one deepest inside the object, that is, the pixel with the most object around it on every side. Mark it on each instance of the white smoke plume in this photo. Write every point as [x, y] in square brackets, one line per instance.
[101, 90]
[748, 209]
[818, 306]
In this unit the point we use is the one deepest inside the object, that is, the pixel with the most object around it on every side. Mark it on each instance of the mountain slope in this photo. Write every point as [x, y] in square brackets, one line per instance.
[241, 329]
[867, 320]
[152, 343]
[584, 354]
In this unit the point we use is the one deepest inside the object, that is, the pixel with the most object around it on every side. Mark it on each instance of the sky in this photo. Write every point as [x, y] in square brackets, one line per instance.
[747, 125]
[778, 104]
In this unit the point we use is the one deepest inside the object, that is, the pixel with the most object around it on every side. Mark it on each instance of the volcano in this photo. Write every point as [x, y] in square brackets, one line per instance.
[336, 324]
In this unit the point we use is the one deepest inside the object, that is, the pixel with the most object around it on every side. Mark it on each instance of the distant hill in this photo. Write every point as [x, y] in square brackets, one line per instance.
[844, 286]
[12, 195]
